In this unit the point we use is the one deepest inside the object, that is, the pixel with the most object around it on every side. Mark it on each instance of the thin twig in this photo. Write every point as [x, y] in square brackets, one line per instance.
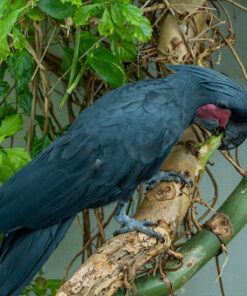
[220, 278]
[224, 249]
[43, 55]
[210, 208]
[38, 44]
[237, 5]
[236, 157]
[100, 226]
[235, 55]
[227, 14]
[235, 165]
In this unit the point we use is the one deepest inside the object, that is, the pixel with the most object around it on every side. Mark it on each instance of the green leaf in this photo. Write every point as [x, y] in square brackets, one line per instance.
[6, 168]
[39, 145]
[107, 66]
[40, 120]
[4, 87]
[143, 31]
[19, 40]
[21, 67]
[4, 7]
[3, 68]
[56, 9]
[6, 110]
[67, 59]
[87, 41]
[132, 13]
[20, 64]
[117, 15]
[106, 26]
[83, 13]
[124, 50]
[41, 272]
[53, 285]
[25, 101]
[10, 126]
[7, 24]
[126, 33]
[17, 4]
[138, 23]
[36, 14]
[18, 157]
[4, 49]
[73, 2]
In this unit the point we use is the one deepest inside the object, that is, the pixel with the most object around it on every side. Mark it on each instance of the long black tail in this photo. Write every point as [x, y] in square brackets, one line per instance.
[23, 252]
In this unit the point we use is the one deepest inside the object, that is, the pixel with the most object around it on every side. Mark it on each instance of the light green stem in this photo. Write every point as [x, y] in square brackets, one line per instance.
[72, 84]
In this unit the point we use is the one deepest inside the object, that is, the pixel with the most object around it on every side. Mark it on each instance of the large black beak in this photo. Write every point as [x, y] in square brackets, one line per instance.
[235, 134]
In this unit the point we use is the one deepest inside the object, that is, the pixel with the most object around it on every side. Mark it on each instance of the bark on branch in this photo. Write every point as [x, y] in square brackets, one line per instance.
[121, 257]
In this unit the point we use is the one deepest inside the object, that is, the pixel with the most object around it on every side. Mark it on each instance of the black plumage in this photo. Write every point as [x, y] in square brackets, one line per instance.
[114, 145]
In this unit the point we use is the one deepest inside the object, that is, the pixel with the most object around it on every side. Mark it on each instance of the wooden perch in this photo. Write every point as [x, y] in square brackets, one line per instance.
[120, 257]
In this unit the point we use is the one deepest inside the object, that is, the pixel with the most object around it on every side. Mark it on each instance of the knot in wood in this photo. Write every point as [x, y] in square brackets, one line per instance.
[165, 192]
[220, 225]
[175, 42]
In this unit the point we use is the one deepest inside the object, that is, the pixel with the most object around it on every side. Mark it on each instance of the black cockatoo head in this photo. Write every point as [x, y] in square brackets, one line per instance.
[226, 103]
[228, 107]
[228, 111]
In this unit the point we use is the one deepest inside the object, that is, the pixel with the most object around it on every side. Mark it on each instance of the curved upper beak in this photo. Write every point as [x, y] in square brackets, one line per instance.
[235, 134]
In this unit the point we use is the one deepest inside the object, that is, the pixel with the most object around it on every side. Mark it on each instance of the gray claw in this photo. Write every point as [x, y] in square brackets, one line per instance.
[149, 223]
[168, 176]
[132, 224]
[141, 228]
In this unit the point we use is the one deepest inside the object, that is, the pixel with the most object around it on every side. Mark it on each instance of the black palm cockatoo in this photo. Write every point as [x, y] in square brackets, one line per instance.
[115, 144]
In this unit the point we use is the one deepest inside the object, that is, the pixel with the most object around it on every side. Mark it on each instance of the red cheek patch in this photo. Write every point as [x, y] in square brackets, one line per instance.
[211, 112]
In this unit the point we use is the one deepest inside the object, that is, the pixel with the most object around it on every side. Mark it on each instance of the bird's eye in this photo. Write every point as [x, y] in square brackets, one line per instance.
[222, 106]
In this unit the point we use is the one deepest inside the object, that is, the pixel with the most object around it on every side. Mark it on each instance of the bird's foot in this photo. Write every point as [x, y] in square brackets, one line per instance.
[172, 176]
[132, 224]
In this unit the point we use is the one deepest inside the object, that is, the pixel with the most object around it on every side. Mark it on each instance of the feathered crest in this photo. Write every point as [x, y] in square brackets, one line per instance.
[211, 80]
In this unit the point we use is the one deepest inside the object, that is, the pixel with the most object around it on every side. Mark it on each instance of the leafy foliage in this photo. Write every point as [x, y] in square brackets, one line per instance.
[21, 67]
[12, 159]
[56, 8]
[106, 64]
[10, 126]
[6, 25]
[39, 144]
[41, 286]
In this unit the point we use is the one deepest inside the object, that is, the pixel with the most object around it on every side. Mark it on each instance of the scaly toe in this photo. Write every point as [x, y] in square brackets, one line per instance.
[140, 228]
[148, 223]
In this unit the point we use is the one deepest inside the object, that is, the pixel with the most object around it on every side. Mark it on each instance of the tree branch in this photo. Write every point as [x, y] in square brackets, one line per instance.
[166, 204]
